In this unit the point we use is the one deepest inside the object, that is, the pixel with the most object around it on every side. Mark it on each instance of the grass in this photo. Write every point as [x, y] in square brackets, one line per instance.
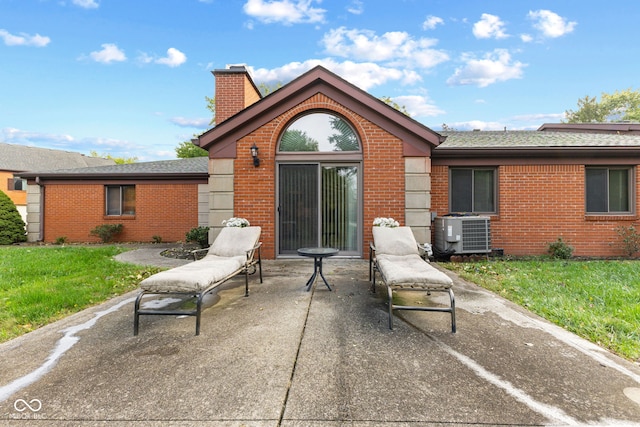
[39, 285]
[597, 300]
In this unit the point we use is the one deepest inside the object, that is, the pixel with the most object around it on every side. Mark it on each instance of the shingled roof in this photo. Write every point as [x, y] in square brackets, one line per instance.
[21, 158]
[196, 167]
[532, 139]
[515, 147]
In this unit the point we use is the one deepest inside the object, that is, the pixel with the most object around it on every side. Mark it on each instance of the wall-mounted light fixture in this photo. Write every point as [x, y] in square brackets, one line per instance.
[254, 154]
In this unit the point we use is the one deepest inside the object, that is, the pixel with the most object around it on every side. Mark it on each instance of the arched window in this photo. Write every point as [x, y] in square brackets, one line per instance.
[319, 132]
[319, 200]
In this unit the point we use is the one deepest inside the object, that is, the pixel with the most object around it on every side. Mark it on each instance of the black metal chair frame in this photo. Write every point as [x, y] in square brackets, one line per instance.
[373, 268]
[250, 264]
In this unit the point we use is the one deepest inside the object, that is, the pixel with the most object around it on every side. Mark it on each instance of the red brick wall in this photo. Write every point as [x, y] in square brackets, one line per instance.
[234, 92]
[228, 88]
[165, 210]
[539, 203]
[383, 172]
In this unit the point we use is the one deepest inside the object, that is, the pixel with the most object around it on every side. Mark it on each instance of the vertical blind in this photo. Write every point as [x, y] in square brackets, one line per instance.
[318, 206]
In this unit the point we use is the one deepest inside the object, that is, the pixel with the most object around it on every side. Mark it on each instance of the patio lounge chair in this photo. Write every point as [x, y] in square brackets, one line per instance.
[236, 250]
[395, 255]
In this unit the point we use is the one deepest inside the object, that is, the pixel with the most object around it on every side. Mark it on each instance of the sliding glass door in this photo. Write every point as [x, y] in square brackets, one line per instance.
[318, 205]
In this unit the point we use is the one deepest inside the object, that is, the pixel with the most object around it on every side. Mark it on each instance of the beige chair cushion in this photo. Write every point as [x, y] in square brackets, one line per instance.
[234, 241]
[411, 271]
[395, 241]
[195, 276]
[226, 256]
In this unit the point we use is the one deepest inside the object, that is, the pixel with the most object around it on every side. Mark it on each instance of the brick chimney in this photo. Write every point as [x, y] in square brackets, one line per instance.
[235, 91]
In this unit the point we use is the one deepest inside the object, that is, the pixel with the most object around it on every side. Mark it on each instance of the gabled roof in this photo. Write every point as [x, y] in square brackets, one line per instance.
[20, 158]
[192, 168]
[220, 141]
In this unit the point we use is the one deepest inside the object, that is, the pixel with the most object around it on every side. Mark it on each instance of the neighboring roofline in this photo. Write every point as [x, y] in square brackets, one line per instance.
[609, 127]
[179, 176]
[222, 138]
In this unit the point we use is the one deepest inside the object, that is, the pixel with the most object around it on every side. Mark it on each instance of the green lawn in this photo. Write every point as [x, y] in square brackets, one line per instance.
[39, 285]
[597, 300]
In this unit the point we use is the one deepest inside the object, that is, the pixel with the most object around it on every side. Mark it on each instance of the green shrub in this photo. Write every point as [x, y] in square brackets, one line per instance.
[630, 239]
[560, 250]
[199, 235]
[156, 238]
[12, 227]
[61, 240]
[106, 232]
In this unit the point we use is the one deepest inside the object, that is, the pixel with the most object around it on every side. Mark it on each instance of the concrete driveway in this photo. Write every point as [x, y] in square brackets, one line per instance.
[287, 357]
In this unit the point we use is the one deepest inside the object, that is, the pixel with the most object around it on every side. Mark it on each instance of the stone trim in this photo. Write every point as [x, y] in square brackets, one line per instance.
[418, 197]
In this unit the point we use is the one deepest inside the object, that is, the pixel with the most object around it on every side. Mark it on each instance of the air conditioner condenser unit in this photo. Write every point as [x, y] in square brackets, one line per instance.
[462, 234]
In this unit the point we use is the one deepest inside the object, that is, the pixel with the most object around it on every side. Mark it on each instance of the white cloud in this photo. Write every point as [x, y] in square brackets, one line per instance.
[23, 39]
[551, 24]
[24, 136]
[496, 66]
[475, 124]
[86, 4]
[540, 118]
[397, 48]
[489, 26]
[174, 58]
[526, 38]
[519, 122]
[190, 123]
[109, 53]
[356, 7]
[365, 75]
[418, 105]
[286, 12]
[431, 22]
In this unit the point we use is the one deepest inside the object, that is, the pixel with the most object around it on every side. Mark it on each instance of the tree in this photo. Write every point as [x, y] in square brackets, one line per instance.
[387, 100]
[188, 149]
[620, 105]
[211, 106]
[344, 139]
[589, 111]
[12, 227]
[118, 160]
[265, 89]
[297, 140]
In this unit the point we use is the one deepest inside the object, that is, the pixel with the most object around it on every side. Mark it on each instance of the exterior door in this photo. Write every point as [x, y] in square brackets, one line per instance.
[318, 205]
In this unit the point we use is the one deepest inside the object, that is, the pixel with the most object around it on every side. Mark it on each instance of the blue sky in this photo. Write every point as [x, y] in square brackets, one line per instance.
[129, 78]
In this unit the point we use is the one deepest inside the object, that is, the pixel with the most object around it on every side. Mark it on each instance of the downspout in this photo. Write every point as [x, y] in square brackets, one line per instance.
[41, 230]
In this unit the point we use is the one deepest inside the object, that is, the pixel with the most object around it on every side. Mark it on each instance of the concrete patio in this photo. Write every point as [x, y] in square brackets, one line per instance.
[287, 357]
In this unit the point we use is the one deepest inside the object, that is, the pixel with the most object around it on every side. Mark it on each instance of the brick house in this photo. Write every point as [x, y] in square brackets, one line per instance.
[165, 199]
[331, 159]
[535, 186]
[314, 162]
[15, 159]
